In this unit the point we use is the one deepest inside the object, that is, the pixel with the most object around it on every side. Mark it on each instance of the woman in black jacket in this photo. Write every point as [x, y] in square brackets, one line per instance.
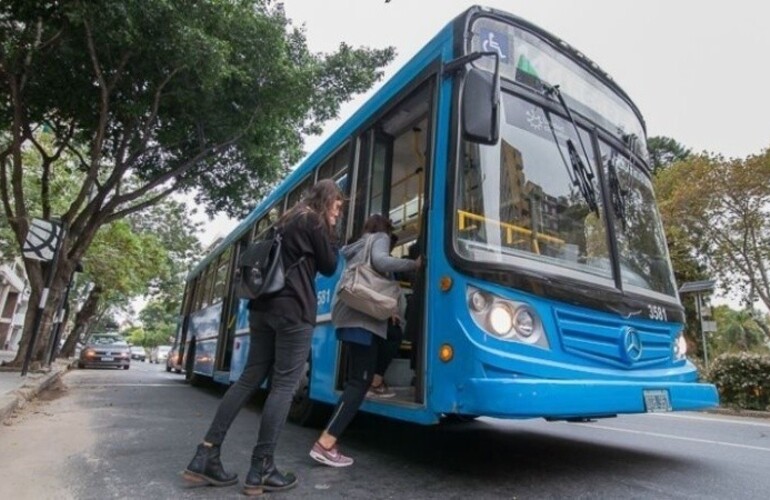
[281, 327]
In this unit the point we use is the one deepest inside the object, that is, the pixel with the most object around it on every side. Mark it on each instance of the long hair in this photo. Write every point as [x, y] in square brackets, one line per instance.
[320, 198]
[377, 223]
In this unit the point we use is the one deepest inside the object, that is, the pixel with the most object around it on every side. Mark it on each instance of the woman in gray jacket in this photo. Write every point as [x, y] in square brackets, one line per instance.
[363, 334]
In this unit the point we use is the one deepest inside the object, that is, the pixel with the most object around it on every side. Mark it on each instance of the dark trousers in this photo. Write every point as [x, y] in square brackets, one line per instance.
[361, 363]
[388, 348]
[279, 347]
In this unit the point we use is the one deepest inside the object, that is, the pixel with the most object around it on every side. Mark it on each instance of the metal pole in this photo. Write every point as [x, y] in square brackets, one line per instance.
[702, 333]
[41, 304]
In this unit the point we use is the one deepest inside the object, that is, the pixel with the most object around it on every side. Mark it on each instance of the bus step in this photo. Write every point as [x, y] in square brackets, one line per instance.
[222, 377]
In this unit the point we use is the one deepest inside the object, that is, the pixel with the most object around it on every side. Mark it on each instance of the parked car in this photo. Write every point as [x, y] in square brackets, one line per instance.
[105, 350]
[138, 353]
[174, 360]
[159, 354]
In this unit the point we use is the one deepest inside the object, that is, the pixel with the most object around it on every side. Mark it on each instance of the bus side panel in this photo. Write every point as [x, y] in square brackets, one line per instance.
[241, 342]
[204, 329]
[324, 349]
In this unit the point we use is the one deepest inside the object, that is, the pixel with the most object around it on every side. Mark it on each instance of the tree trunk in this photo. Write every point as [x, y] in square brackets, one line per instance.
[64, 352]
[43, 337]
[82, 320]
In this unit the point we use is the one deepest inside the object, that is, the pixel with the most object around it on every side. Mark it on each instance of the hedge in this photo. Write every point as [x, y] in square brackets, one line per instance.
[743, 380]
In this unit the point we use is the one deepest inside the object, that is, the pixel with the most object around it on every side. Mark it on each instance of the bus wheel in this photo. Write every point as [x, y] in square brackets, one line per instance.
[304, 411]
[191, 377]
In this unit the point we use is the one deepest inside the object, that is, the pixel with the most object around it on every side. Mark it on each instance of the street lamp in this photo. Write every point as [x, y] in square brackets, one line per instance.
[701, 289]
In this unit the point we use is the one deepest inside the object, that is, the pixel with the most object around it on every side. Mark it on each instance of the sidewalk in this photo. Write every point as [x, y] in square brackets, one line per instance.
[16, 391]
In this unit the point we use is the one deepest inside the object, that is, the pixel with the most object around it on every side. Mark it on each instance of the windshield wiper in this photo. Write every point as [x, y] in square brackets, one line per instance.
[581, 174]
[617, 194]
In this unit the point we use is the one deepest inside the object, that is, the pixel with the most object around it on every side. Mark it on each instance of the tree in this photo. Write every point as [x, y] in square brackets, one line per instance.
[158, 323]
[737, 331]
[171, 223]
[721, 207]
[152, 97]
[687, 265]
[664, 151]
[117, 267]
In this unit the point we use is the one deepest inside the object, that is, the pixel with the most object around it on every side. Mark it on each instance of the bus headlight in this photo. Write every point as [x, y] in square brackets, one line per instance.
[680, 347]
[506, 319]
[477, 301]
[500, 319]
[525, 322]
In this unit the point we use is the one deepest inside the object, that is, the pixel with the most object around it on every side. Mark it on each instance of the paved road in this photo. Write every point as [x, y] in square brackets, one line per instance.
[128, 434]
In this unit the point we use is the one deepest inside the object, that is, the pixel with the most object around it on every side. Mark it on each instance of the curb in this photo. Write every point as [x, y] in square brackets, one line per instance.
[732, 412]
[37, 383]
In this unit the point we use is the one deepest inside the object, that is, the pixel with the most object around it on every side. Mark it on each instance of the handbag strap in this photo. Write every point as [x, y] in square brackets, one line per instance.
[368, 249]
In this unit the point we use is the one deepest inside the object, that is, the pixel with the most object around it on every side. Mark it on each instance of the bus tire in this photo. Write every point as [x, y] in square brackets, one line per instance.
[190, 376]
[304, 411]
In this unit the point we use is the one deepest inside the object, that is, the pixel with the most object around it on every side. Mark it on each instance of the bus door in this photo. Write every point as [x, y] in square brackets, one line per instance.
[392, 181]
[222, 291]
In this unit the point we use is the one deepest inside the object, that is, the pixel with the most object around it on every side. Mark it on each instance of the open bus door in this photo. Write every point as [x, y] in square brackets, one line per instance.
[392, 180]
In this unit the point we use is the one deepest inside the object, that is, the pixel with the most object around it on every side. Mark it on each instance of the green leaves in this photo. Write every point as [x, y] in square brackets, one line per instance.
[210, 97]
[719, 207]
[664, 151]
[743, 380]
[144, 98]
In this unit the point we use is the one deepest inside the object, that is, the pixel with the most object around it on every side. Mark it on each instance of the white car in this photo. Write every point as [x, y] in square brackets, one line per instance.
[160, 354]
[137, 353]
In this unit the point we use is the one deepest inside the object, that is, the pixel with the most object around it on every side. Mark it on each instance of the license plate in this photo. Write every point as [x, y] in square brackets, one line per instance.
[656, 400]
[107, 358]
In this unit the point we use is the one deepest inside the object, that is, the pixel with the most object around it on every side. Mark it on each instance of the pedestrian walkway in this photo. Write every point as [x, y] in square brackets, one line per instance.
[16, 391]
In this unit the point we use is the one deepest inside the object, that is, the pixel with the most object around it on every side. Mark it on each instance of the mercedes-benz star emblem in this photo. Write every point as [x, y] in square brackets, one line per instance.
[632, 344]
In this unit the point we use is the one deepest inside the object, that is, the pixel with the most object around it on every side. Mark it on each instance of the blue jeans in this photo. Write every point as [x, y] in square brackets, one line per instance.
[279, 346]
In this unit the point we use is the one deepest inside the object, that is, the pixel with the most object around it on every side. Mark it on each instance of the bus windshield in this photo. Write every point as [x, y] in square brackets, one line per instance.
[532, 62]
[638, 229]
[517, 200]
[517, 204]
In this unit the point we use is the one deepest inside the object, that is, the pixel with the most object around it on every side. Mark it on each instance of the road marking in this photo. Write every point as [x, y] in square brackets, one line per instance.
[714, 418]
[680, 438]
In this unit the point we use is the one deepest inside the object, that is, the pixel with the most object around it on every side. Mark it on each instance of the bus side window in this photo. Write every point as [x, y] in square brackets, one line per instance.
[299, 192]
[336, 168]
[267, 221]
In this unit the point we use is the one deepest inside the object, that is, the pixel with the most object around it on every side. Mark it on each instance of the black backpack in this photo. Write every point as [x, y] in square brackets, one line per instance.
[260, 270]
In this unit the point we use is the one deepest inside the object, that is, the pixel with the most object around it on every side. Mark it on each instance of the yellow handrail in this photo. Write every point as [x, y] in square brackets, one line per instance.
[510, 229]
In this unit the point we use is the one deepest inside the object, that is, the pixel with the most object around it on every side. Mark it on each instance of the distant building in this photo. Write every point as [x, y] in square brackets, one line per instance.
[14, 300]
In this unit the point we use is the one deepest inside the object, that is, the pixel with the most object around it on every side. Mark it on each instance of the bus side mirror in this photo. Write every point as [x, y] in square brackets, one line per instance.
[481, 107]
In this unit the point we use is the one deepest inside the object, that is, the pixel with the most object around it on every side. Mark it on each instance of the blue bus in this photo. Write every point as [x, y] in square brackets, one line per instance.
[519, 170]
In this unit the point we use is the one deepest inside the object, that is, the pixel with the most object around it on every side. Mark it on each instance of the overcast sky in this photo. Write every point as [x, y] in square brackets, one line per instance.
[697, 70]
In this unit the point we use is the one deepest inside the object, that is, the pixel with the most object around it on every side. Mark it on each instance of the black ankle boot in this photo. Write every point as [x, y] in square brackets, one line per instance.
[263, 476]
[206, 469]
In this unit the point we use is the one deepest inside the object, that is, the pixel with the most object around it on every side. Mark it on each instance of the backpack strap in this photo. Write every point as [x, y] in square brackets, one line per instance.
[278, 233]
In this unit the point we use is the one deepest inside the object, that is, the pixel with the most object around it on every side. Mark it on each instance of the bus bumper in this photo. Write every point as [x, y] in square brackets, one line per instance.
[580, 399]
